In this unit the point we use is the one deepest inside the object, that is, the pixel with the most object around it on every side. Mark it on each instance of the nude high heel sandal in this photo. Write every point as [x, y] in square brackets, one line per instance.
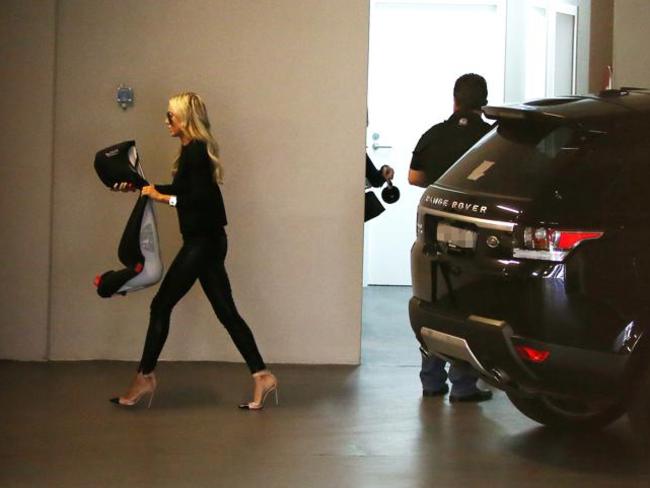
[270, 386]
[143, 384]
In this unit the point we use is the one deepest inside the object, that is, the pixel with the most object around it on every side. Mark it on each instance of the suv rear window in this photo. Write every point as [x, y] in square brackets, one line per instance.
[516, 159]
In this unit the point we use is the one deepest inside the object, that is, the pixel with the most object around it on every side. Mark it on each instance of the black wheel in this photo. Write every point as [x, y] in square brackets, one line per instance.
[639, 409]
[563, 413]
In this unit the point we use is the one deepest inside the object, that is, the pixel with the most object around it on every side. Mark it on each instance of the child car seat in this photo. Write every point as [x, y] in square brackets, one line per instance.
[138, 250]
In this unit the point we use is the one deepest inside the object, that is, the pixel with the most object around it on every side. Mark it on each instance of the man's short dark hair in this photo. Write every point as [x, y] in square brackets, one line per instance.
[470, 92]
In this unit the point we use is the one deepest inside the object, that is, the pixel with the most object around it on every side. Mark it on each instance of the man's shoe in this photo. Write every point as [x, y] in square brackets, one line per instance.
[434, 393]
[476, 397]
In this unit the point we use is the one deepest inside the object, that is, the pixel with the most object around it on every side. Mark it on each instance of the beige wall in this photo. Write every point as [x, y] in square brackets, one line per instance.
[27, 45]
[285, 83]
[631, 37]
[600, 45]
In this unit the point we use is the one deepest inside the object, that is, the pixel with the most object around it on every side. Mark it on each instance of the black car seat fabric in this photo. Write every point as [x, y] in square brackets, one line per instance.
[138, 250]
[120, 164]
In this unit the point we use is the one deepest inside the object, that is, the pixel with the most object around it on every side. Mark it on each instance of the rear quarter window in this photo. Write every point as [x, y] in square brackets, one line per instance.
[629, 189]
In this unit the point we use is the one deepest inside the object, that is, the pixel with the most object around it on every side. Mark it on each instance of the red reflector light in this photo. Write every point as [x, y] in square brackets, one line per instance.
[97, 281]
[531, 354]
[139, 267]
[570, 239]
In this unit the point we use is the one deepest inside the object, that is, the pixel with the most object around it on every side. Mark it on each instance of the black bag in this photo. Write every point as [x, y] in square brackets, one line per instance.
[373, 206]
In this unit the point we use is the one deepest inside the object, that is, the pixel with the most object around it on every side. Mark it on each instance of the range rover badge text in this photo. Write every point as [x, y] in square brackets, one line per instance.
[454, 204]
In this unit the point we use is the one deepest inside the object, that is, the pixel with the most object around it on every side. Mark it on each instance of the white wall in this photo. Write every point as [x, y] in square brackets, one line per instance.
[285, 85]
[27, 41]
[631, 37]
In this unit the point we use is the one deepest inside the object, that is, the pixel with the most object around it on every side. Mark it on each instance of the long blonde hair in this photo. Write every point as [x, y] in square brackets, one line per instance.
[193, 117]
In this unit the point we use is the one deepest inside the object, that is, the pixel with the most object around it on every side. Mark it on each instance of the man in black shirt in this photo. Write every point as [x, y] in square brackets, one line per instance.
[436, 151]
[444, 143]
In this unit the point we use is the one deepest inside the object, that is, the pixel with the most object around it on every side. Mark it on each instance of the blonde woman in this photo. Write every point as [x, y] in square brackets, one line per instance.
[195, 193]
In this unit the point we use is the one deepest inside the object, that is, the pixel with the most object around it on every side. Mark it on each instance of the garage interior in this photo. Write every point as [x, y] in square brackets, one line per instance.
[286, 83]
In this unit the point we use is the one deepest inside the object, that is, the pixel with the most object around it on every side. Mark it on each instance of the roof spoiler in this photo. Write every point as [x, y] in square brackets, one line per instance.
[625, 90]
[518, 112]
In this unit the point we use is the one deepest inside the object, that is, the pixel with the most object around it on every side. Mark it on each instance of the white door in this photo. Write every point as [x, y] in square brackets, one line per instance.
[542, 49]
[417, 50]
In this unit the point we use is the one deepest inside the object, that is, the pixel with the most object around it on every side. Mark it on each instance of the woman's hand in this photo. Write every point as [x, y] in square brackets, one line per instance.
[387, 172]
[151, 192]
[123, 187]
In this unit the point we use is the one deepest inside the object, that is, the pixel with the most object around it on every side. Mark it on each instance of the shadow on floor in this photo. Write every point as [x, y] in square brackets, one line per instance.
[610, 451]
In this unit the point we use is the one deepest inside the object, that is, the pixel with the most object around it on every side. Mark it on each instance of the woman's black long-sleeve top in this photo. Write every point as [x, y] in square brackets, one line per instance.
[374, 175]
[201, 211]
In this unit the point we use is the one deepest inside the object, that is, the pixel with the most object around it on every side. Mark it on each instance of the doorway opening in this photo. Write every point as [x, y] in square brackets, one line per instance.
[525, 49]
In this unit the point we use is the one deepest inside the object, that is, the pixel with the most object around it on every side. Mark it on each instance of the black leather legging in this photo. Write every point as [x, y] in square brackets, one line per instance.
[201, 258]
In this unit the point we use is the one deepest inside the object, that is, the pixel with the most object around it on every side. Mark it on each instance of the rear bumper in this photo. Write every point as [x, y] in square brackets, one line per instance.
[489, 345]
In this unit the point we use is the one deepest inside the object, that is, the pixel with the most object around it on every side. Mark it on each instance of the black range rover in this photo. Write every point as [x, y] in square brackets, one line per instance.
[532, 259]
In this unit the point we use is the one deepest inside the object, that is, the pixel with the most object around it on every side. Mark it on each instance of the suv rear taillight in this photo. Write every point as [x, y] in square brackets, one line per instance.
[551, 244]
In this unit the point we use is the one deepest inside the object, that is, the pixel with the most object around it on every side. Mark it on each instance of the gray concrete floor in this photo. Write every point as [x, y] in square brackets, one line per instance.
[335, 427]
